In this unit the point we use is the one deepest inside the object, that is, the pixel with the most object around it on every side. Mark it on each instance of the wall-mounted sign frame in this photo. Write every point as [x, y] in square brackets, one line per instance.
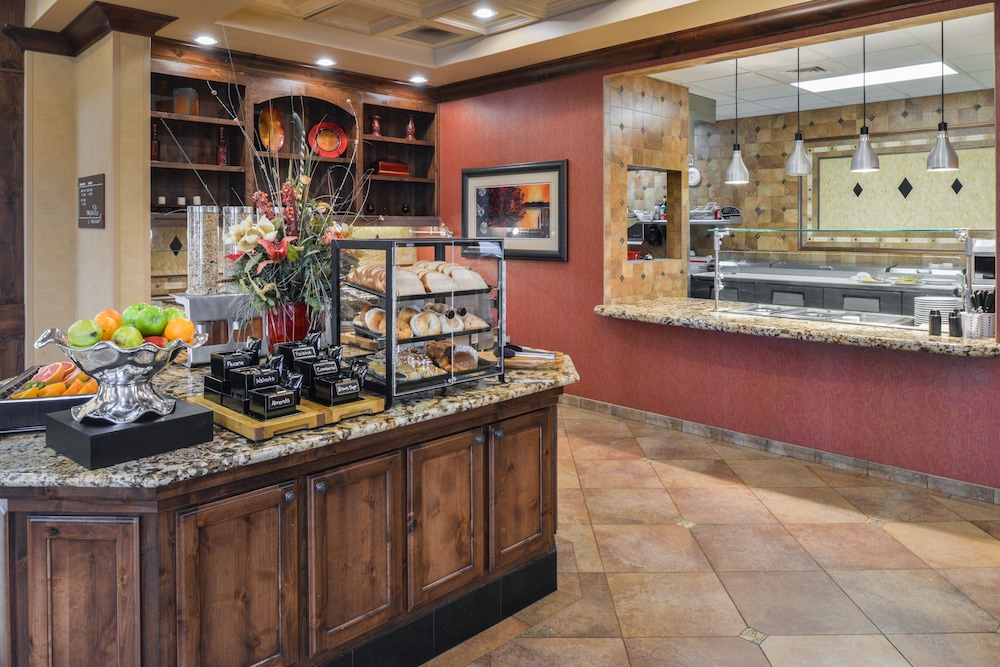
[91, 202]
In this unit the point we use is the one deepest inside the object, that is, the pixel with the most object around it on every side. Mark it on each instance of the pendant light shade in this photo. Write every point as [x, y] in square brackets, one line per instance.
[864, 158]
[798, 163]
[737, 172]
[943, 157]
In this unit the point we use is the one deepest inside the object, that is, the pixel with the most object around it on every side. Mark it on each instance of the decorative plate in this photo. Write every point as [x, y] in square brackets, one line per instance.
[327, 140]
[271, 129]
[694, 176]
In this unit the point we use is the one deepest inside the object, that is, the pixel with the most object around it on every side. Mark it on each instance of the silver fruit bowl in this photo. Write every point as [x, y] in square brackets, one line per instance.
[124, 392]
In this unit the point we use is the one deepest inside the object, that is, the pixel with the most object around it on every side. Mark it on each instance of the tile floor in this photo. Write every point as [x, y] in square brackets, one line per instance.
[678, 550]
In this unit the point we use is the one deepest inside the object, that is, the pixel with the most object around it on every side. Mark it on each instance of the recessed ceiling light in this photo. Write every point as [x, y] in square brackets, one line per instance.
[418, 79]
[875, 77]
[206, 40]
[325, 62]
[484, 13]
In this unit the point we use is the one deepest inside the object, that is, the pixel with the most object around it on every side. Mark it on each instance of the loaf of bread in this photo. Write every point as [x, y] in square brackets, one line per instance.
[422, 277]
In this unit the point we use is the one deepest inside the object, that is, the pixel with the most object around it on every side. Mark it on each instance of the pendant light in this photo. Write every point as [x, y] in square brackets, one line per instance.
[943, 157]
[737, 172]
[864, 158]
[798, 163]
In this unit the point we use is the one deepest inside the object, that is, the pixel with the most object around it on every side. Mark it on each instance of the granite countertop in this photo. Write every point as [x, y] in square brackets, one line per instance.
[25, 461]
[701, 314]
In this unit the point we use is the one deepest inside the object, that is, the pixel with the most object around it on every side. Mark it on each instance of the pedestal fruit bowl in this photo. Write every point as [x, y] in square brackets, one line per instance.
[123, 375]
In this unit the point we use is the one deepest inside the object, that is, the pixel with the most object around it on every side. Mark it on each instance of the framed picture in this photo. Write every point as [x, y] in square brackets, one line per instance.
[523, 204]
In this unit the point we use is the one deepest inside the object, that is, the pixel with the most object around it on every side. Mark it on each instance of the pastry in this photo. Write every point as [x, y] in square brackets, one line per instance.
[451, 324]
[452, 358]
[473, 322]
[427, 323]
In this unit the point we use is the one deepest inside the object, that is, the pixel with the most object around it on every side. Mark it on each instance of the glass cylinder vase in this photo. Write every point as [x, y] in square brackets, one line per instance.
[287, 322]
[203, 249]
[231, 215]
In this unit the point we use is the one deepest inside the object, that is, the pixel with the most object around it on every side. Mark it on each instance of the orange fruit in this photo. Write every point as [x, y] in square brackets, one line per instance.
[54, 389]
[108, 325]
[89, 387]
[180, 327]
[27, 393]
[112, 313]
[74, 387]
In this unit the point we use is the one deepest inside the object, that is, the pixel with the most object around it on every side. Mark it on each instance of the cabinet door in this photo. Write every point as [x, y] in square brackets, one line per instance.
[236, 581]
[355, 541]
[444, 499]
[522, 487]
[83, 591]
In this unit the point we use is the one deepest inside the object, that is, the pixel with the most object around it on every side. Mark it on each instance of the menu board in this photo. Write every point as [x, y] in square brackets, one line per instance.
[91, 199]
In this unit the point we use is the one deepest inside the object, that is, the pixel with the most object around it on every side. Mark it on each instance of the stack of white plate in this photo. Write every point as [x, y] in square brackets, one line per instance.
[923, 305]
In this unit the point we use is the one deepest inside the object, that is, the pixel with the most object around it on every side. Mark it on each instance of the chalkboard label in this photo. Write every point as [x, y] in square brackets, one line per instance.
[91, 191]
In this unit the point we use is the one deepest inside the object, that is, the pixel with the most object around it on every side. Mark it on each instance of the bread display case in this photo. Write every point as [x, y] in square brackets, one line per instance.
[426, 313]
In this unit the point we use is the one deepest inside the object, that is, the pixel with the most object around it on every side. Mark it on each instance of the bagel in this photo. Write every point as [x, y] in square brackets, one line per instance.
[403, 331]
[437, 307]
[451, 324]
[426, 324]
[406, 314]
[375, 320]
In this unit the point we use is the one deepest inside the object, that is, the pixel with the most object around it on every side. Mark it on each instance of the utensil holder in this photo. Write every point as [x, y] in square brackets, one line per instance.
[978, 325]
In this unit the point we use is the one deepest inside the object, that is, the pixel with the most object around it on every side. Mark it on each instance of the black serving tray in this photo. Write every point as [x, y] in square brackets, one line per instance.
[424, 296]
[22, 415]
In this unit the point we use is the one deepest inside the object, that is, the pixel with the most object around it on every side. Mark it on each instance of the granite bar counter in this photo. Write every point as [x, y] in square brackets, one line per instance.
[382, 539]
[701, 314]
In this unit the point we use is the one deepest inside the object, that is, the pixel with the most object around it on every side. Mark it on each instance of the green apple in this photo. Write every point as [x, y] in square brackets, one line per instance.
[126, 336]
[84, 333]
[150, 321]
[173, 313]
[130, 314]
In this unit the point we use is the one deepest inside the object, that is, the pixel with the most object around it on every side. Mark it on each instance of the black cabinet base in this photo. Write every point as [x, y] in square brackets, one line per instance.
[97, 445]
[425, 637]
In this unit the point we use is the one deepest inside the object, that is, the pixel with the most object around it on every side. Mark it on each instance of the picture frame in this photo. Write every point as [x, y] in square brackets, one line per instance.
[523, 204]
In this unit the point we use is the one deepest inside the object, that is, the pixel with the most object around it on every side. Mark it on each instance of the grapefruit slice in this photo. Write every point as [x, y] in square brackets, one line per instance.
[54, 372]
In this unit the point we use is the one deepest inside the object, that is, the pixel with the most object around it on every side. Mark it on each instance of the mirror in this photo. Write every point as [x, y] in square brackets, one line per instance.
[902, 116]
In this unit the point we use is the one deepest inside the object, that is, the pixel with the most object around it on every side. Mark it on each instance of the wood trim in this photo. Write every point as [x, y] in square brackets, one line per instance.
[90, 25]
[797, 21]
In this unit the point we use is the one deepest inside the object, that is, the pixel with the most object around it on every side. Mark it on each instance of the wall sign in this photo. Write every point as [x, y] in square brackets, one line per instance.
[91, 197]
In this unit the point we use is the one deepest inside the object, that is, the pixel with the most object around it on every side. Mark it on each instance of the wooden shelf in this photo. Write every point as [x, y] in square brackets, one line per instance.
[158, 164]
[398, 140]
[208, 120]
[398, 179]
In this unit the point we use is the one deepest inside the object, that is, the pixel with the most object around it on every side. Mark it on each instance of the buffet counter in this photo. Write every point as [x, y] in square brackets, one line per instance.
[701, 314]
[396, 534]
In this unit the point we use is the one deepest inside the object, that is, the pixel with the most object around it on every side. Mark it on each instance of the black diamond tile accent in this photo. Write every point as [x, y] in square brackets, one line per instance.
[905, 114]
[709, 159]
[621, 89]
[977, 107]
[758, 210]
[840, 120]
[757, 183]
[643, 276]
[957, 186]
[858, 189]
[621, 126]
[757, 129]
[732, 132]
[812, 123]
[784, 126]
[176, 246]
[756, 156]
[905, 188]
[642, 130]
[621, 239]
[642, 93]
[871, 117]
[621, 278]
[756, 236]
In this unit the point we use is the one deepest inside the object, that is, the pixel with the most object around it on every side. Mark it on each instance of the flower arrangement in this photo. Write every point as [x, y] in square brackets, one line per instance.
[282, 251]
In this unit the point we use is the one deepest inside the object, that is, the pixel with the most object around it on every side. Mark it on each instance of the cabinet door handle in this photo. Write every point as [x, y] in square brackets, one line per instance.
[321, 487]
[498, 433]
[480, 439]
[291, 496]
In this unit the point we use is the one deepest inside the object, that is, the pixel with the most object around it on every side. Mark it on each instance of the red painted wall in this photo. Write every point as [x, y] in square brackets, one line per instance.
[930, 413]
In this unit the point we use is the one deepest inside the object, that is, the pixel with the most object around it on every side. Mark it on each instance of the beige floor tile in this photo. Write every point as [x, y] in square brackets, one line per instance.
[721, 505]
[957, 650]
[568, 582]
[550, 605]
[898, 504]
[990, 527]
[565, 554]
[854, 546]
[735, 453]
[694, 652]
[838, 478]
[649, 548]
[695, 474]
[795, 603]
[677, 445]
[832, 651]
[971, 510]
[540, 652]
[806, 504]
[948, 544]
[480, 645]
[912, 601]
[602, 427]
[981, 585]
[566, 477]
[624, 506]
[586, 448]
[752, 547]
[590, 615]
[684, 604]
[588, 559]
[623, 474]
[775, 473]
[572, 508]
[642, 429]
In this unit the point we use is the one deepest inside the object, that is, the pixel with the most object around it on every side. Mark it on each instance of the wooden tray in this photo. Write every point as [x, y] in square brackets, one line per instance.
[515, 362]
[310, 415]
[365, 343]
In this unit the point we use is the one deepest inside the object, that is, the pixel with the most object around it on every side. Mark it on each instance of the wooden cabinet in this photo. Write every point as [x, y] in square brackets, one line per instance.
[522, 487]
[82, 591]
[355, 540]
[444, 515]
[236, 573]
